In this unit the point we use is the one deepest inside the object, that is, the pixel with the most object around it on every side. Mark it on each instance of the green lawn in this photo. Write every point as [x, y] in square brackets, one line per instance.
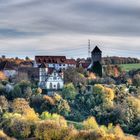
[128, 67]
[77, 125]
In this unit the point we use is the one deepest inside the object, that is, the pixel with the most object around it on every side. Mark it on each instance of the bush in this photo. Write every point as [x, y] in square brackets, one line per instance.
[48, 116]
[50, 130]
[20, 128]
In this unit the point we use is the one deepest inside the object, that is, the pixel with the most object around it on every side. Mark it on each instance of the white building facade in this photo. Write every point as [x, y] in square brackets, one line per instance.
[50, 79]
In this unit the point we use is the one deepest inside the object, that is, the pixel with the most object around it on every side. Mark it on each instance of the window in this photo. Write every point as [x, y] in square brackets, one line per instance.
[39, 60]
[54, 78]
[58, 85]
[50, 85]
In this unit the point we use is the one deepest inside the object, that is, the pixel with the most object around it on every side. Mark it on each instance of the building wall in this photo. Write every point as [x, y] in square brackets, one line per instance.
[54, 81]
[62, 66]
[10, 73]
[54, 85]
[42, 74]
[50, 82]
[96, 57]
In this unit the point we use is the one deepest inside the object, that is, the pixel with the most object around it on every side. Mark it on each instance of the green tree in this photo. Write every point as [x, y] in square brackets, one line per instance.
[61, 107]
[136, 80]
[69, 91]
[22, 90]
[17, 93]
[73, 75]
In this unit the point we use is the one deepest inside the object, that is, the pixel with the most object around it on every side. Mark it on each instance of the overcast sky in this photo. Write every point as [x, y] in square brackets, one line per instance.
[63, 27]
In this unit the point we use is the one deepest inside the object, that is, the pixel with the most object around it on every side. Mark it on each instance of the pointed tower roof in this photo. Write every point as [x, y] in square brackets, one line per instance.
[96, 50]
[43, 65]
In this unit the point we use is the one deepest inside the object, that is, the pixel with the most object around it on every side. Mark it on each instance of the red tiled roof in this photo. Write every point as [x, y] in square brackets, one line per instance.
[84, 65]
[50, 59]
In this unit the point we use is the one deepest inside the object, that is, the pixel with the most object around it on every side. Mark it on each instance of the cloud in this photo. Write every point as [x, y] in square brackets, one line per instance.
[63, 27]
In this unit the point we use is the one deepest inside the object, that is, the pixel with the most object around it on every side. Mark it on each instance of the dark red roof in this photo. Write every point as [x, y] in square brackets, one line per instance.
[85, 65]
[50, 59]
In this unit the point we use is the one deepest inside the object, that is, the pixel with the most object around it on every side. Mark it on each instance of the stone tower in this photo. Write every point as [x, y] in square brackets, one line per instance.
[96, 58]
[96, 55]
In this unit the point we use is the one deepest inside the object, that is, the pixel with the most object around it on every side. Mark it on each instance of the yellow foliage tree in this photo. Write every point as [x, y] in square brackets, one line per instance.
[90, 123]
[105, 94]
[22, 107]
[50, 130]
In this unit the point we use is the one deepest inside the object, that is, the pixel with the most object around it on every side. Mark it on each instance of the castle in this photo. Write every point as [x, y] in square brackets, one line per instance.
[51, 69]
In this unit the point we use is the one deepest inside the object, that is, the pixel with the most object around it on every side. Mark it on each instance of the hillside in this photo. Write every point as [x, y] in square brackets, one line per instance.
[129, 67]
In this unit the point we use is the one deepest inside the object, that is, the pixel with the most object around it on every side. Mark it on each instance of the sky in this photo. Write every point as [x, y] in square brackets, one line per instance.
[63, 27]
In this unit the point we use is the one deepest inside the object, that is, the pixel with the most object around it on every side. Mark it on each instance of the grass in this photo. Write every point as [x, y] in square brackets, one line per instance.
[128, 67]
[77, 125]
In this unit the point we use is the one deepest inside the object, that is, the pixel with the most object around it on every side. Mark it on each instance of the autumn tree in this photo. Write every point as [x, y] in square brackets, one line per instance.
[90, 123]
[4, 106]
[22, 107]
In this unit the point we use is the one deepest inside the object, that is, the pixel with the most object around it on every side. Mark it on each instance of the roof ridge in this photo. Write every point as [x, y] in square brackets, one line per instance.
[96, 49]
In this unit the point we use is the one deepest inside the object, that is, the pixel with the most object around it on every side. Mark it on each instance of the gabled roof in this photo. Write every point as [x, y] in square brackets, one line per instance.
[43, 65]
[96, 50]
[6, 65]
[71, 61]
[50, 59]
[51, 71]
[26, 63]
